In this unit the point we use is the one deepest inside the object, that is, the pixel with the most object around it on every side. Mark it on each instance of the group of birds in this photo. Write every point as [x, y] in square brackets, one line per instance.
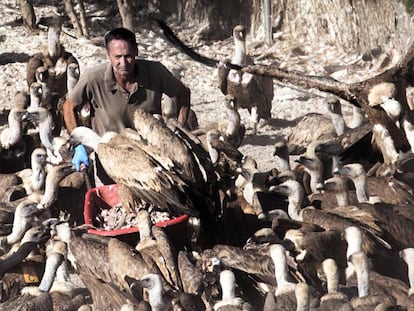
[325, 229]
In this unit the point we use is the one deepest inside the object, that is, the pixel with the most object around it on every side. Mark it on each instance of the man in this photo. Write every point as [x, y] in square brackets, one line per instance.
[116, 89]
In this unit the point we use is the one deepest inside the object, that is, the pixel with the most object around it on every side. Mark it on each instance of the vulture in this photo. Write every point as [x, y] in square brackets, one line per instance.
[374, 288]
[314, 166]
[334, 298]
[191, 275]
[252, 92]
[387, 142]
[232, 130]
[51, 66]
[229, 298]
[12, 143]
[24, 216]
[157, 298]
[169, 107]
[55, 59]
[102, 263]
[396, 221]
[43, 119]
[73, 76]
[33, 179]
[157, 249]
[48, 294]
[18, 269]
[331, 220]
[229, 128]
[160, 298]
[12, 133]
[390, 139]
[130, 167]
[156, 164]
[372, 189]
[286, 290]
[35, 93]
[317, 127]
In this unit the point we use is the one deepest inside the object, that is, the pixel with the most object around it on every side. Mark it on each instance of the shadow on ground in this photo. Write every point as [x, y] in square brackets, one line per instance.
[11, 57]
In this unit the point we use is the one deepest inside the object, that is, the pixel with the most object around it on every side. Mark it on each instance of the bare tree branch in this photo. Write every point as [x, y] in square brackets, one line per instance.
[126, 9]
[28, 14]
[73, 18]
[82, 16]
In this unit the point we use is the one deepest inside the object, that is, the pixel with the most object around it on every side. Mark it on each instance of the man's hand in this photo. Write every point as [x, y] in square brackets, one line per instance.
[80, 156]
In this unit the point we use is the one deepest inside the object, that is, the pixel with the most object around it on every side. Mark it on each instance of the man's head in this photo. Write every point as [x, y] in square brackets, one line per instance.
[120, 34]
[121, 49]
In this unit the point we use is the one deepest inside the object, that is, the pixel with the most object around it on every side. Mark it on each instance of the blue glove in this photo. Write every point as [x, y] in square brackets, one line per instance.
[80, 156]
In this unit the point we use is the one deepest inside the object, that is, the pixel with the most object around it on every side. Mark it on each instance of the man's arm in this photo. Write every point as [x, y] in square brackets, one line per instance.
[69, 115]
[80, 157]
[183, 104]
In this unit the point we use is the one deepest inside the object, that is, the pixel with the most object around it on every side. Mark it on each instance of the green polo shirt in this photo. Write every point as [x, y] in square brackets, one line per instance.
[112, 107]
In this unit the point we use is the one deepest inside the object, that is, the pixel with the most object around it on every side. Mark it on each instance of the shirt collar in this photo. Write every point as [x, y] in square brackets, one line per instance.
[109, 77]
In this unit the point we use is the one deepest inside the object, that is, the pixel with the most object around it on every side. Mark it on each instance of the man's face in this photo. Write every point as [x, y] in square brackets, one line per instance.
[121, 54]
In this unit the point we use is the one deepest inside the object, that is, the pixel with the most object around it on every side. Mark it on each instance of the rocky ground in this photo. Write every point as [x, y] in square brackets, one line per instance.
[289, 104]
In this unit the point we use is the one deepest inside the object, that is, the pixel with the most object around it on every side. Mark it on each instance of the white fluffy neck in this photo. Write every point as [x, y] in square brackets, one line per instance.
[408, 256]
[214, 154]
[240, 52]
[282, 164]
[53, 178]
[385, 143]
[45, 129]
[233, 124]
[360, 262]
[393, 109]
[228, 285]
[14, 120]
[144, 224]
[155, 296]
[358, 117]
[15, 127]
[361, 188]
[53, 42]
[72, 78]
[90, 138]
[409, 132]
[38, 175]
[51, 191]
[353, 236]
[302, 297]
[338, 123]
[342, 198]
[20, 224]
[295, 200]
[53, 261]
[332, 276]
[315, 177]
[34, 100]
[71, 82]
[277, 252]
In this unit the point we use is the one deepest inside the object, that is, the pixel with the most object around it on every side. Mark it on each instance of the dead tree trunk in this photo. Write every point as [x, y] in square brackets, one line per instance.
[28, 14]
[356, 93]
[82, 17]
[73, 18]
[126, 9]
[353, 26]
